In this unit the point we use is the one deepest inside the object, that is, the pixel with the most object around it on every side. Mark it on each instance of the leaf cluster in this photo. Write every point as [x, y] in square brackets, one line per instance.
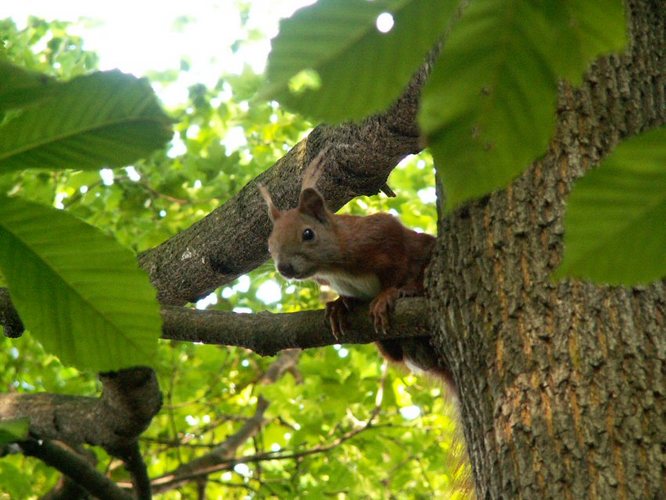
[54, 264]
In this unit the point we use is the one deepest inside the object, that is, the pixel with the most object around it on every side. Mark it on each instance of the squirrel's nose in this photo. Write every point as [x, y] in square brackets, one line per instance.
[286, 270]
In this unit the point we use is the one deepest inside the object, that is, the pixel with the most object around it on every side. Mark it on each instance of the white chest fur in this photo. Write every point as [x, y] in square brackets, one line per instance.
[360, 286]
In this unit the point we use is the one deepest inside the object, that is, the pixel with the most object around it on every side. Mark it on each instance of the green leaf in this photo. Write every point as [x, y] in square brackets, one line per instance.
[103, 119]
[586, 29]
[331, 62]
[20, 87]
[489, 107]
[13, 430]
[615, 224]
[79, 292]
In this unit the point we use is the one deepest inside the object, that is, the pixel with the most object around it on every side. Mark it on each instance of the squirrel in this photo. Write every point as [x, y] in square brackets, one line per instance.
[372, 258]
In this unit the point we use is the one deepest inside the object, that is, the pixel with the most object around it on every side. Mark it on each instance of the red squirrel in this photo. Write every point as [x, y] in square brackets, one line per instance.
[372, 258]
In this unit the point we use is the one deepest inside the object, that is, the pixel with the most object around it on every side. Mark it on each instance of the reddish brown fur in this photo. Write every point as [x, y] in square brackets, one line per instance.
[363, 258]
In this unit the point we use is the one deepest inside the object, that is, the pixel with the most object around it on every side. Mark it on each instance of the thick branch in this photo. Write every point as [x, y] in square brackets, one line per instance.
[267, 333]
[130, 399]
[231, 240]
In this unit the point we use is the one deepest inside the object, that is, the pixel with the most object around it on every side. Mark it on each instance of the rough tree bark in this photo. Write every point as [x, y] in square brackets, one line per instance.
[562, 384]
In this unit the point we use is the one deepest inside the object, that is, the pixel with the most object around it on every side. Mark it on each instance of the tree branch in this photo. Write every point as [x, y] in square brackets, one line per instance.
[75, 467]
[267, 333]
[129, 400]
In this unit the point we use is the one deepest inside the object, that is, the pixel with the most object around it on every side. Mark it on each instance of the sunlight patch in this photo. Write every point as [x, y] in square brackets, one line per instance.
[385, 22]
[269, 292]
[209, 300]
[107, 176]
[410, 412]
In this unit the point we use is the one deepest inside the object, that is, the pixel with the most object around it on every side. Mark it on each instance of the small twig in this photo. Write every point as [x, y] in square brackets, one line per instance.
[225, 451]
[387, 191]
[157, 194]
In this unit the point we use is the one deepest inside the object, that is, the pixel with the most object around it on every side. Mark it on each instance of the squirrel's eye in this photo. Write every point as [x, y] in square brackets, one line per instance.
[308, 234]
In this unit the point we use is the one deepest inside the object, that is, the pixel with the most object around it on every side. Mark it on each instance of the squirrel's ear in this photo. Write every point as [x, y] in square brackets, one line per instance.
[273, 211]
[313, 204]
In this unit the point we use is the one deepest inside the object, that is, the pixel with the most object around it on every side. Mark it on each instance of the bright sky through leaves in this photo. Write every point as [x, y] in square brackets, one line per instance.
[142, 36]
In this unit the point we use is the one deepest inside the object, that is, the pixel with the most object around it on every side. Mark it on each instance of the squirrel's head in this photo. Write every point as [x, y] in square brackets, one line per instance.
[303, 240]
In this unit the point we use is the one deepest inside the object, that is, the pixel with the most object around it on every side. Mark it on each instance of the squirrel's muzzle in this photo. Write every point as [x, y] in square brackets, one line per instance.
[286, 270]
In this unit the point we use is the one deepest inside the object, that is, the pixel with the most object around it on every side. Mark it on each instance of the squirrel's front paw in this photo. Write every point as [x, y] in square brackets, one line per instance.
[380, 308]
[336, 315]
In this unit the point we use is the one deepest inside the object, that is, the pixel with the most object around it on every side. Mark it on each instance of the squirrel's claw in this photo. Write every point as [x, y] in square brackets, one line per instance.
[380, 308]
[335, 315]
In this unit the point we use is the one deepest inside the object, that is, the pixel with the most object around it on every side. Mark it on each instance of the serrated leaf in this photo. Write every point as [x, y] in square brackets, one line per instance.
[76, 289]
[489, 107]
[13, 430]
[103, 119]
[615, 224]
[359, 69]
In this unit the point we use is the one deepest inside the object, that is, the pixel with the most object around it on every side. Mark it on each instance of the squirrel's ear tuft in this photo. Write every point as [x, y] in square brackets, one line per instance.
[312, 203]
[273, 211]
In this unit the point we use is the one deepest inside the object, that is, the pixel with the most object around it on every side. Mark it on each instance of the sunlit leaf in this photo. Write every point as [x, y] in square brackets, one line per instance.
[102, 119]
[615, 224]
[76, 290]
[331, 62]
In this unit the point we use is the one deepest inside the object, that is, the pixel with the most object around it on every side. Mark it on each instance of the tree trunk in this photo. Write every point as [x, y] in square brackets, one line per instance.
[561, 385]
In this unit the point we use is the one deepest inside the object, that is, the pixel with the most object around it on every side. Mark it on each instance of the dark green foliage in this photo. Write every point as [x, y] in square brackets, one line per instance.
[615, 228]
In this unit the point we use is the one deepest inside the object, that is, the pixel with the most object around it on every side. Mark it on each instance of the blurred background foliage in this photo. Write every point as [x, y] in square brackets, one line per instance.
[318, 411]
